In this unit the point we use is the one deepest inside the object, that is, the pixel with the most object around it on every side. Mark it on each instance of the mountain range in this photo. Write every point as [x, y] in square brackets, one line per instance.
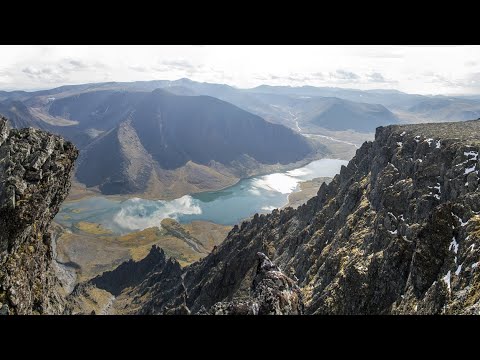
[166, 138]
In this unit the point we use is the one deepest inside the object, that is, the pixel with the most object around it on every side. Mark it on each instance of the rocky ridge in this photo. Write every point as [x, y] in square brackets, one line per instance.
[396, 232]
[35, 169]
[273, 293]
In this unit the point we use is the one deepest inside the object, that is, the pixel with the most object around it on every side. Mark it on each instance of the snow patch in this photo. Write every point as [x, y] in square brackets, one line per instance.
[403, 133]
[399, 143]
[474, 265]
[393, 232]
[453, 245]
[255, 308]
[389, 213]
[460, 220]
[393, 166]
[469, 170]
[459, 268]
[429, 141]
[437, 144]
[471, 153]
[447, 278]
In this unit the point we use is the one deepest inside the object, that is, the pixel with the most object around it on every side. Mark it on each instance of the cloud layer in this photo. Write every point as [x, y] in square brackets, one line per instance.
[414, 69]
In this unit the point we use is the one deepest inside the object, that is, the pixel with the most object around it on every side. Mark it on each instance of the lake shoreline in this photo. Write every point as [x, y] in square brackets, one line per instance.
[80, 192]
[230, 206]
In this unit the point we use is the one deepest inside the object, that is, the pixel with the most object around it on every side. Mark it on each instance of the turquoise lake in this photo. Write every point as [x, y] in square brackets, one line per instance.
[260, 194]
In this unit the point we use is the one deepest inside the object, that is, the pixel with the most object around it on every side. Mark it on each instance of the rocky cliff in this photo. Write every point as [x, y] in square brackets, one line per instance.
[396, 232]
[35, 169]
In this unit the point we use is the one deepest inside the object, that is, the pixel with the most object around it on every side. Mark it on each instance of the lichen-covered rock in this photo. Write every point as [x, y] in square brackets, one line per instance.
[35, 169]
[273, 293]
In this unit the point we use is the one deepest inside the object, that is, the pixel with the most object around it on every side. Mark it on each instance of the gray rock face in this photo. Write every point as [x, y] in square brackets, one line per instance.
[396, 232]
[273, 293]
[132, 272]
[35, 169]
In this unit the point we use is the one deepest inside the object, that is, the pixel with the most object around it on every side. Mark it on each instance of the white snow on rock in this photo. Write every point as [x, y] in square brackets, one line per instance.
[393, 166]
[469, 170]
[437, 144]
[429, 141]
[419, 160]
[446, 278]
[403, 133]
[391, 214]
[459, 268]
[453, 245]
[471, 153]
[399, 143]
[461, 221]
[474, 265]
[401, 217]
[472, 247]
[417, 138]
[393, 232]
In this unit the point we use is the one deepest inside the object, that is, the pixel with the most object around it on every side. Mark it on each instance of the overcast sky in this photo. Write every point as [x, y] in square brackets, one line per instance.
[414, 69]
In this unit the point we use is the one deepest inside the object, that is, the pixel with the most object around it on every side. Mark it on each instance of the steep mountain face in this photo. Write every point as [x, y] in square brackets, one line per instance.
[201, 141]
[176, 129]
[396, 232]
[117, 162]
[35, 170]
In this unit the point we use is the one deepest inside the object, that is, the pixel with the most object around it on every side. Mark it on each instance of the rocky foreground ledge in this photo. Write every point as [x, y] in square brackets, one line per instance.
[35, 169]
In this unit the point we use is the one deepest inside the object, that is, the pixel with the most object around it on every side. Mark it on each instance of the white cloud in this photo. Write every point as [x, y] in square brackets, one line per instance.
[344, 75]
[452, 69]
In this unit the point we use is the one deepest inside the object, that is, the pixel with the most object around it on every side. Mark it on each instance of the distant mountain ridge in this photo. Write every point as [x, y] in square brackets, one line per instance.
[172, 149]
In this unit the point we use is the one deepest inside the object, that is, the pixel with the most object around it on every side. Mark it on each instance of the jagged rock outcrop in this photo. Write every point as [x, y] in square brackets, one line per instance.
[273, 293]
[35, 169]
[115, 292]
[132, 272]
[396, 232]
